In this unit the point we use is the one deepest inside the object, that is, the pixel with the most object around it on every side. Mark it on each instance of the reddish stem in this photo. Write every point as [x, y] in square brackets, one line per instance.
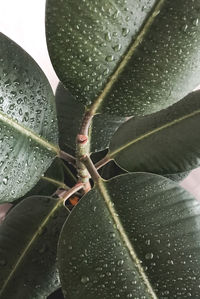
[67, 157]
[66, 194]
[86, 123]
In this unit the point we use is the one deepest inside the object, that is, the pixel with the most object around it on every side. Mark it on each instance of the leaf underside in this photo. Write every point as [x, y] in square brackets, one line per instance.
[141, 238]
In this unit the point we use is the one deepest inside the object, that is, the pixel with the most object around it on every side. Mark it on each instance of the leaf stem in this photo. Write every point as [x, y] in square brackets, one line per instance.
[55, 182]
[67, 157]
[103, 162]
[91, 168]
[86, 123]
[82, 150]
[64, 195]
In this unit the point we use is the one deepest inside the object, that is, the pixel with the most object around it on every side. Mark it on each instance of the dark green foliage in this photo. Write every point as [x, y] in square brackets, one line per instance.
[112, 145]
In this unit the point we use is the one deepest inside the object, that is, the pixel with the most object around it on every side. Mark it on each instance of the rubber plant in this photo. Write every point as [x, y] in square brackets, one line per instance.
[92, 173]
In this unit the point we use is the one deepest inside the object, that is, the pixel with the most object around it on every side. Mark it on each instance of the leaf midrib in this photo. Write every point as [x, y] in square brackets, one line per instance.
[112, 154]
[131, 50]
[55, 182]
[27, 247]
[103, 191]
[27, 132]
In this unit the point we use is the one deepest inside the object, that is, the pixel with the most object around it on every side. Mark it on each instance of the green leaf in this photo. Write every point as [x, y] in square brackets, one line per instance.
[110, 170]
[56, 295]
[70, 114]
[28, 241]
[125, 57]
[28, 126]
[50, 181]
[177, 177]
[141, 240]
[166, 142]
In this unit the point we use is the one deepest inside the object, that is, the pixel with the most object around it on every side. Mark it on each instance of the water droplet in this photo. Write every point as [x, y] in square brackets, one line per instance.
[117, 47]
[149, 256]
[185, 28]
[125, 31]
[12, 106]
[110, 58]
[5, 180]
[112, 235]
[170, 262]
[196, 22]
[105, 72]
[116, 14]
[108, 36]
[85, 279]
[120, 262]
[148, 242]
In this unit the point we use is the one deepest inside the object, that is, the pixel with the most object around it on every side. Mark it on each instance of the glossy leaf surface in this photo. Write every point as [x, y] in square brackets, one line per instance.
[52, 179]
[167, 142]
[130, 57]
[110, 170]
[136, 236]
[28, 126]
[70, 115]
[28, 241]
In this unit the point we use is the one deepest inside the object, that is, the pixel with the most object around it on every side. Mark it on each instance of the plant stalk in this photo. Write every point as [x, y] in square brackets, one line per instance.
[66, 194]
[82, 150]
[91, 168]
[102, 162]
[67, 157]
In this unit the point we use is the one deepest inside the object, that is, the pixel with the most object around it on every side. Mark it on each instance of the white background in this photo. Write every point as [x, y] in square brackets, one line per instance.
[23, 21]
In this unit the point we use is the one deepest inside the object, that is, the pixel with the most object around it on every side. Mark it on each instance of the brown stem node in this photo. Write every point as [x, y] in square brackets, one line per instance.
[82, 139]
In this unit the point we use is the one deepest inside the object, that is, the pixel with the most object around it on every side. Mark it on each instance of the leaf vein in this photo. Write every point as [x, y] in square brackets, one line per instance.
[122, 233]
[127, 57]
[24, 252]
[165, 126]
[27, 132]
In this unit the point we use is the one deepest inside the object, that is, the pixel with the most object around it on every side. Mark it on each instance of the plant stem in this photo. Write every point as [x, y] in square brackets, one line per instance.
[102, 162]
[91, 168]
[82, 150]
[55, 182]
[67, 157]
[86, 123]
[66, 194]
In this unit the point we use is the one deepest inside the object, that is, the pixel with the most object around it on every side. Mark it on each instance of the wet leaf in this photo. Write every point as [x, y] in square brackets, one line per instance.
[28, 126]
[166, 142]
[70, 115]
[52, 179]
[110, 170]
[137, 236]
[28, 242]
[125, 57]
